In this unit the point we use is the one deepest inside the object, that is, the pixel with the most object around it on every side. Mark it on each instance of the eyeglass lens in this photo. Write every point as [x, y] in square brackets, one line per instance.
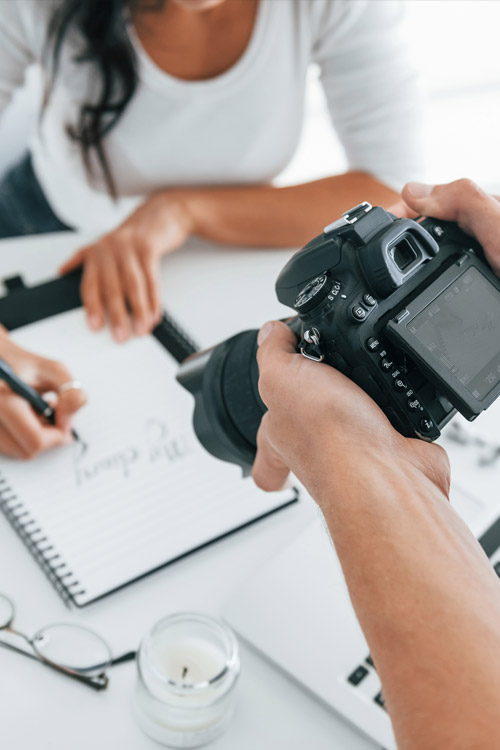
[73, 647]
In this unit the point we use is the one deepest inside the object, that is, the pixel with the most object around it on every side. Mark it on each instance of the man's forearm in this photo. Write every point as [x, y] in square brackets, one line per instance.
[424, 592]
[428, 602]
[267, 216]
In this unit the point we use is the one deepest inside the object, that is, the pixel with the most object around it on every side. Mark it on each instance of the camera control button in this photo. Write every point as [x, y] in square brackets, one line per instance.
[401, 315]
[358, 313]
[372, 344]
[400, 385]
[426, 424]
[386, 365]
[369, 300]
[437, 231]
[413, 404]
[312, 294]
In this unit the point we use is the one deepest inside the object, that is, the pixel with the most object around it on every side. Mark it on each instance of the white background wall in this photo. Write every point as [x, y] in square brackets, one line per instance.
[455, 44]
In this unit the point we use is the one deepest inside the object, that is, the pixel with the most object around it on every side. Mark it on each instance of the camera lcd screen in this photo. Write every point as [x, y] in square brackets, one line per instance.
[461, 329]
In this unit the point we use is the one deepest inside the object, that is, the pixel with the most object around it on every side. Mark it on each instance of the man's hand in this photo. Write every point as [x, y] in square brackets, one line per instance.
[320, 423]
[425, 594]
[462, 201]
[23, 433]
[322, 426]
[120, 276]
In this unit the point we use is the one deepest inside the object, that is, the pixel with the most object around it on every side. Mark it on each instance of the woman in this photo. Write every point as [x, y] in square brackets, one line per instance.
[166, 118]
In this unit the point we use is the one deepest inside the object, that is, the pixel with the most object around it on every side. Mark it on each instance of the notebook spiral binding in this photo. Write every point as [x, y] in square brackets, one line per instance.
[169, 334]
[63, 581]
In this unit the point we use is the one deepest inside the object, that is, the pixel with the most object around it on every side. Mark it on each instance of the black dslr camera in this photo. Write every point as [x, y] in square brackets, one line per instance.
[410, 311]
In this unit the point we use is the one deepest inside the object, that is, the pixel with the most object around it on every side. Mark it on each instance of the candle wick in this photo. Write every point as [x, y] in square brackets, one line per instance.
[184, 672]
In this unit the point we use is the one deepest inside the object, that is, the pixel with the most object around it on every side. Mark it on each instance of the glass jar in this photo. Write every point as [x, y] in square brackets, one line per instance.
[188, 666]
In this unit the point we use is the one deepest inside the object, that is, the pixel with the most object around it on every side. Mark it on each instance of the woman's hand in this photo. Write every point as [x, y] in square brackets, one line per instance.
[325, 429]
[463, 201]
[120, 276]
[23, 433]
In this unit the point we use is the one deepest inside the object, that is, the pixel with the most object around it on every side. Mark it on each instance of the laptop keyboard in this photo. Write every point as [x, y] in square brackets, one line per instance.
[366, 679]
[364, 676]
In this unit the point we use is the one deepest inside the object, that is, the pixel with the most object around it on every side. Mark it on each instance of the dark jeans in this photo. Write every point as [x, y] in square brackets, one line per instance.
[24, 208]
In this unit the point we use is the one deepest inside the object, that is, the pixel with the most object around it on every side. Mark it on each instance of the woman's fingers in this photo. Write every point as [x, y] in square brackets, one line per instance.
[90, 288]
[9, 446]
[90, 291]
[75, 261]
[136, 291]
[150, 266]
[51, 375]
[113, 294]
[26, 429]
[68, 403]
[120, 282]
[23, 432]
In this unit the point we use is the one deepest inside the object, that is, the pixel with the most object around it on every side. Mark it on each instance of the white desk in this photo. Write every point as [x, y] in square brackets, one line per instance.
[215, 293]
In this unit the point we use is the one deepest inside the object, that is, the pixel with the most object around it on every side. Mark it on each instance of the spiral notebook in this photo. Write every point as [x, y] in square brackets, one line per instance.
[144, 493]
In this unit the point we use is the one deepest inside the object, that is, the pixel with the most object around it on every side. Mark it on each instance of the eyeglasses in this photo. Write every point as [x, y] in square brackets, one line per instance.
[70, 649]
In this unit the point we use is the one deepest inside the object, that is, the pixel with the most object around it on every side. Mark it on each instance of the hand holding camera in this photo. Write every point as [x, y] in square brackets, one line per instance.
[477, 213]
[409, 311]
[335, 437]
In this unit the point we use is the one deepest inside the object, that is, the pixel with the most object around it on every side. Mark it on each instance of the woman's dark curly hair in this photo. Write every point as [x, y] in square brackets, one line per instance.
[102, 27]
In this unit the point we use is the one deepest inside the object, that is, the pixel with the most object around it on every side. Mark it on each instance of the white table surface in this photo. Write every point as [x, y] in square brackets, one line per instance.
[214, 292]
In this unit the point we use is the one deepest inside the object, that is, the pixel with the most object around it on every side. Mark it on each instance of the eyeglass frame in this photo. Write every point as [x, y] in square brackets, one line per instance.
[97, 682]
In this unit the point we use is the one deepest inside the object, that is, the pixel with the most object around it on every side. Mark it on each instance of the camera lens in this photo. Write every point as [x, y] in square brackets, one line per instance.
[228, 408]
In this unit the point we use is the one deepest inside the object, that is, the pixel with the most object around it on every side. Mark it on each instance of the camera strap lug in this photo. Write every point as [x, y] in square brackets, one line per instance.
[310, 346]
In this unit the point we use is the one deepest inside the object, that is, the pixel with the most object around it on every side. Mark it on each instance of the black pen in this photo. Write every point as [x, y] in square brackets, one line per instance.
[24, 390]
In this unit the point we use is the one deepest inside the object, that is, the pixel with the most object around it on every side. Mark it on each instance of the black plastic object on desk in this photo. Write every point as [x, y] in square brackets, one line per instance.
[22, 305]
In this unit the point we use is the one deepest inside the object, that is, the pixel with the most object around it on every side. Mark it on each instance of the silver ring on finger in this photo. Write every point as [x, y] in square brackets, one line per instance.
[71, 385]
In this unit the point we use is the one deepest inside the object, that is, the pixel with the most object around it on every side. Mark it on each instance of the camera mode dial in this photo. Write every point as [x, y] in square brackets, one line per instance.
[313, 293]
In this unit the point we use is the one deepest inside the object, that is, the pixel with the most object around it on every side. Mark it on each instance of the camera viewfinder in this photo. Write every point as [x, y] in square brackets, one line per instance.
[404, 254]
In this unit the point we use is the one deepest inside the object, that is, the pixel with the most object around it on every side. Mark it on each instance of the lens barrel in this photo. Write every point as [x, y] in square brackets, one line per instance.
[228, 408]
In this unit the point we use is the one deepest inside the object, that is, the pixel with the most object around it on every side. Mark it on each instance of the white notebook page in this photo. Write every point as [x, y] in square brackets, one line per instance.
[144, 492]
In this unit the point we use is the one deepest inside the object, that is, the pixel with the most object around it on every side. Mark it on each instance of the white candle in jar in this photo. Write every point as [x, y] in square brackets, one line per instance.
[192, 660]
[188, 666]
